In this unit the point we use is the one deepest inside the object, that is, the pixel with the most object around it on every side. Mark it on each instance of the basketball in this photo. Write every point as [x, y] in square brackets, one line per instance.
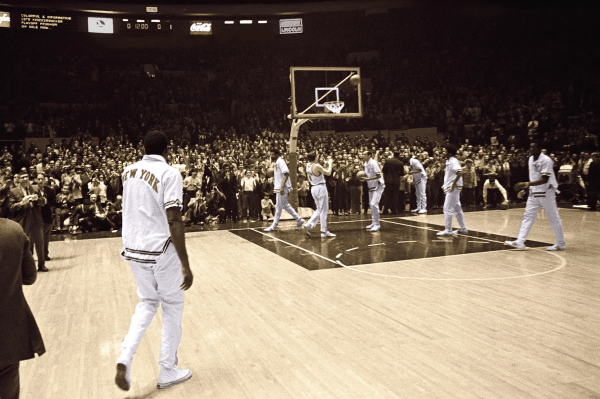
[270, 172]
[361, 175]
[355, 80]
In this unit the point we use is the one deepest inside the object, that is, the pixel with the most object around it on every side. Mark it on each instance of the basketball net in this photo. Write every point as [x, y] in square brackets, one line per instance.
[334, 106]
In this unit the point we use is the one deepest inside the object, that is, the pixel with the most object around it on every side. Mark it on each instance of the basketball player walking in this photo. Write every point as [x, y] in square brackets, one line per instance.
[282, 187]
[376, 186]
[452, 187]
[154, 245]
[316, 176]
[543, 188]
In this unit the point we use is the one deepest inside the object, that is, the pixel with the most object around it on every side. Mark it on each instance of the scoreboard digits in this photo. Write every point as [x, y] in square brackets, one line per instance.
[145, 25]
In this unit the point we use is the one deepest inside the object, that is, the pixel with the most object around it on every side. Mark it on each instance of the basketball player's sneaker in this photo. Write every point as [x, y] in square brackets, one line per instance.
[270, 228]
[307, 230]
[169, 377]
[515, 244]
[422, 211]
[300, 223]
[375, 228]
[415, 210]
[446, 233]
[557, 247]
[327, 234]
[462, 231]
[370, 226]
[123, 378]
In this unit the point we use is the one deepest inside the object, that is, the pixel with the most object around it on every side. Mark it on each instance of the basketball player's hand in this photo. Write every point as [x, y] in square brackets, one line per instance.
[188, 278]
[521, 186]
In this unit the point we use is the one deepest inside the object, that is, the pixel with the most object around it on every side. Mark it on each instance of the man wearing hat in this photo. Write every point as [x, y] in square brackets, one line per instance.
[25, 201]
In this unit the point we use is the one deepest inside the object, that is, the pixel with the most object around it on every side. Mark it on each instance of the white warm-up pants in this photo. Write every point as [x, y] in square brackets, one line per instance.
[421, 193]
[547, 201]
[374, 198]
[158, 284]
[321, 197]
[452, 208]
[282, 203]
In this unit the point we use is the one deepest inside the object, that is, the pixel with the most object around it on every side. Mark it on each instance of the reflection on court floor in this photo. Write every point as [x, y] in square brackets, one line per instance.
[398, 240]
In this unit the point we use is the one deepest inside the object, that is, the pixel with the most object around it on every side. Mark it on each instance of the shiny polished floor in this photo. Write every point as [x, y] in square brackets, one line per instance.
[399, 313]
[398, 240]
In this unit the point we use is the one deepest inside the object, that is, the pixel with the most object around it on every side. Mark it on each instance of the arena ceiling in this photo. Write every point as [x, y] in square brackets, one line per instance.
[215, 7]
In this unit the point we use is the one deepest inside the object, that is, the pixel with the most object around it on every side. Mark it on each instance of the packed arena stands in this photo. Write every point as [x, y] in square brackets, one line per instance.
[488, 82]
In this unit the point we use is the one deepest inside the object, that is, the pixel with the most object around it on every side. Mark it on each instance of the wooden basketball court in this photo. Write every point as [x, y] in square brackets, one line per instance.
[448, 322]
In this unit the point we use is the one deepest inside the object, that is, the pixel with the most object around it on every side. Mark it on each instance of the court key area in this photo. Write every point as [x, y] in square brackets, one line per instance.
[400, 240]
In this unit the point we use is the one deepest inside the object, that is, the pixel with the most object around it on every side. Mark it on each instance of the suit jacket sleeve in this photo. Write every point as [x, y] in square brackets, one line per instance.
[20, 337]
[28, 269]
[14, 199]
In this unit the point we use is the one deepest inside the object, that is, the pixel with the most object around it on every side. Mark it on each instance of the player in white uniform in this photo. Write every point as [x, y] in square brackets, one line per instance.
[154, 246]
[316, 177]
[452, 187]
[282, 187]
[543, 188]
[420, 178]
[376, 186]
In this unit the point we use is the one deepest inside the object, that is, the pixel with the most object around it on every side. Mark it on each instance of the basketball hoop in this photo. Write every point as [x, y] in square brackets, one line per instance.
[334, 106]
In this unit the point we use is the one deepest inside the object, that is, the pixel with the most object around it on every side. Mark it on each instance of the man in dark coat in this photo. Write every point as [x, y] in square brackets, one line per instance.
[228, 185]
[20, 337]
[25, 203]
[393, 170]
[593, 189]
[47, 210]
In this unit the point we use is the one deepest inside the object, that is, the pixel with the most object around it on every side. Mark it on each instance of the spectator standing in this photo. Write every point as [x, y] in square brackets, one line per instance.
[393, 170]
[354, 187]
[47, 210]
[229, 187]
[25, 202]
[469, 183]
[594, 182]
[64, 203]
[303, 187]
[248, 186]
[191, 184]
[20, 337]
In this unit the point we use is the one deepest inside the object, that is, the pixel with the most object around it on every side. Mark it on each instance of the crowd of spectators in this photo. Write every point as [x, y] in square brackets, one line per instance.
[228, 179]
[225, 106]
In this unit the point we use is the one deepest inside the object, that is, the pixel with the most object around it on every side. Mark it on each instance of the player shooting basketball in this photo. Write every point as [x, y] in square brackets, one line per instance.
[316, 176]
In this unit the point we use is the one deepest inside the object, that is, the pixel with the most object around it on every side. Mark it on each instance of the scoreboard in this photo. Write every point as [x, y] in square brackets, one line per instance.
[123, 23]
[71, 22]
